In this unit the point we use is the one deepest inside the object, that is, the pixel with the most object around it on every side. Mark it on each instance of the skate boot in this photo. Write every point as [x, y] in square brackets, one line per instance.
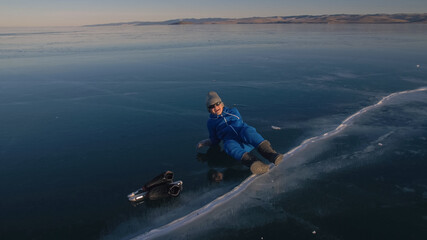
[265, 149]
[257, 167]
[166, 177]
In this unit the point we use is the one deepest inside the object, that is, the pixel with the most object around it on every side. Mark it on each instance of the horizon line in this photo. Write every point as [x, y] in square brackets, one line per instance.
[219, 18]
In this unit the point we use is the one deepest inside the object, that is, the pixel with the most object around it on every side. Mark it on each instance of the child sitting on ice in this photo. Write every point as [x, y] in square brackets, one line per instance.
[226, 124]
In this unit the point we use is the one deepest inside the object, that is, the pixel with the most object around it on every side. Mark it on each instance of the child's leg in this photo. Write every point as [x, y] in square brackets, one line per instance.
[236, 149]
[241, 152]
[251, 136]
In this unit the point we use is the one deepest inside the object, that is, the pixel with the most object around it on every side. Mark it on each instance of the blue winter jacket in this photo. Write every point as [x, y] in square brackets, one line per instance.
[226, 126]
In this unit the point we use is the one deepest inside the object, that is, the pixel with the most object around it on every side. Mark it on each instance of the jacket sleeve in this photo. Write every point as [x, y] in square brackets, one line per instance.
[212, 134]
[236, 112]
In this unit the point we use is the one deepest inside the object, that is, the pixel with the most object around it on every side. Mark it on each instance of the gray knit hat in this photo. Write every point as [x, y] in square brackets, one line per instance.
[212, 98]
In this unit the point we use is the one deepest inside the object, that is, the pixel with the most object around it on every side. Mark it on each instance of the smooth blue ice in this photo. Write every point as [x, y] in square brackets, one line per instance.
[88, 115]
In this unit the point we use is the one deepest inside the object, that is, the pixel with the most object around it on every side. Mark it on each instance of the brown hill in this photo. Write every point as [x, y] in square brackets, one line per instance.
[321, 19]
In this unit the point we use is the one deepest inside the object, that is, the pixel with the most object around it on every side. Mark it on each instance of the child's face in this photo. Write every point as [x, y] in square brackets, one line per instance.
[216, 108]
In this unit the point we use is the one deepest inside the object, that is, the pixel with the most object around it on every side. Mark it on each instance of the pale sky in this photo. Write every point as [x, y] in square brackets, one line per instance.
[32, 13]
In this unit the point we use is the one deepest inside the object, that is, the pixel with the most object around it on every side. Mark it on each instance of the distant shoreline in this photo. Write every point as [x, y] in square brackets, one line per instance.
[403, 18]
